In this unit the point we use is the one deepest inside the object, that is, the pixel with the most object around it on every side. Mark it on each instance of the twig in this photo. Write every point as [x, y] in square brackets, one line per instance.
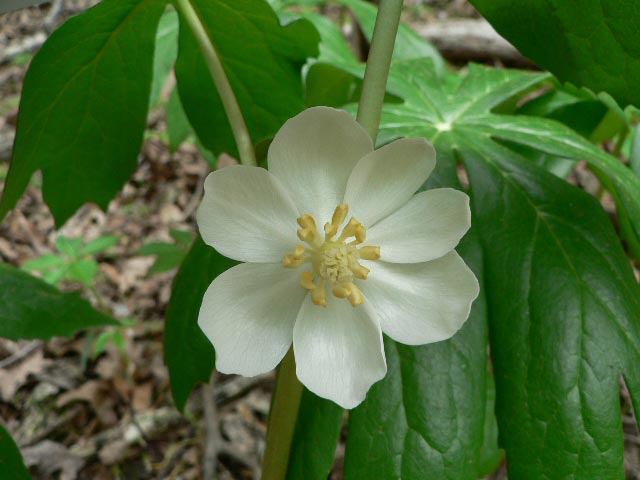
[213, 440]
[20, 354]
[51, 19]
[237, 388]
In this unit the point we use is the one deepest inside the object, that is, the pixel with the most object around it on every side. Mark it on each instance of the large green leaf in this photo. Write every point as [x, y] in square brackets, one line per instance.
[12, 466]
[446, 111]
[262, 60]
[565, 310]
[591, 43]
[31, 308]
[84, 107]
[563, 302]
[426, 418]
[187, 352]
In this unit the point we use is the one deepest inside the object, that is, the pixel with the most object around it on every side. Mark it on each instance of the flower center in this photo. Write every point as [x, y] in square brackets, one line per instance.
[334, 261]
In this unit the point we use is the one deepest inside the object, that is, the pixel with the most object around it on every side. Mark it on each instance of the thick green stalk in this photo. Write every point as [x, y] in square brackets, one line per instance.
[282, 420]
[378, 63]
[229, 101]
[288, 391]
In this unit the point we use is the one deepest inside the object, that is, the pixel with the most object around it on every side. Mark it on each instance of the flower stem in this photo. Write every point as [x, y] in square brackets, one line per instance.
[375, 76]
[282, 420]
[229, 101]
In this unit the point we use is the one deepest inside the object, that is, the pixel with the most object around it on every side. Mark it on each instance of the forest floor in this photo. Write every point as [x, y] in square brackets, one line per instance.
[111, 416]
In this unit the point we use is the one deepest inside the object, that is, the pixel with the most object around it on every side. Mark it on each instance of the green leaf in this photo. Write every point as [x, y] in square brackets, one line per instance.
[188, 354]
[591, 43]
[563, 303]
[634, 155]
[178, 126]
[71, 247]
[262, 60]
[83, 270]
[84, 107]
[315, 438]
[490, 455]
[12, 466]
[165, 54]
[168, 256]
[426, 418]
[99, 245]
[44, 262]
[55, 275]
[446, 113]
[182, 237]
[100, 343]
[31, 308]
[565, 309]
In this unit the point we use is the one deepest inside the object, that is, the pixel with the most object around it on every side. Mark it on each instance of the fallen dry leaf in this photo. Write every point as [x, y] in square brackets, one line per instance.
[13, 377]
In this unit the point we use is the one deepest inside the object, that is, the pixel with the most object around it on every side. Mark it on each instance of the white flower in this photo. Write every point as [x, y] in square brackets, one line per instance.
[384, 261]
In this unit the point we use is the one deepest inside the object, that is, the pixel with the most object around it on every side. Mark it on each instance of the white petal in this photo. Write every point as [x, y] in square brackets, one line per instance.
[248, 314]
[430, 225]
[387, 178]
[313, 155]
[247, 215]
[339, 350]
[422, 302]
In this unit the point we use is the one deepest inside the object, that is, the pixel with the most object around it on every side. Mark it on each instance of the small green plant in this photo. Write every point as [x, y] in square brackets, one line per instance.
[112, 334]
[74, 260]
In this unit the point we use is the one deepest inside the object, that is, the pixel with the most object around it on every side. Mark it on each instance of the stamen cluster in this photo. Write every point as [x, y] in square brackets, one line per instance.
[334, 261]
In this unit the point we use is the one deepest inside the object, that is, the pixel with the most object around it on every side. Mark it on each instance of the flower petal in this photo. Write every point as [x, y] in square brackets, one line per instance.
[247, 215]
[313, 155]
[421, 302]
[430, 225]
[339, 351]
[248, 314]
[384, 180]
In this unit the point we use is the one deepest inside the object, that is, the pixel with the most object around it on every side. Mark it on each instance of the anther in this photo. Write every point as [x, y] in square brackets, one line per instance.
[319, 295]
[306, 280]
[350, 291]
[369, 252]
[350, 229]
[360, 272]
[307, 221]
[339, 215]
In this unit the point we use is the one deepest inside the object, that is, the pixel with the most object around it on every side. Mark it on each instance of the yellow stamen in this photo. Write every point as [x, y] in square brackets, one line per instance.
[306, 280]
[319, 295]
[334, 261]
[349, 291]
[350, 229]
[360, 272]
[370, 253]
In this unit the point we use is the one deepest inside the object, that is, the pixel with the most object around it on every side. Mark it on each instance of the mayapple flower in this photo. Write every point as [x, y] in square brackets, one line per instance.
[338, 249]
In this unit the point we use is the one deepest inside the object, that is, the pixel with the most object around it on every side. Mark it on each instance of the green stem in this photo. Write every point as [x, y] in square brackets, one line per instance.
[378, 63]
[282, 420]
[229, 101]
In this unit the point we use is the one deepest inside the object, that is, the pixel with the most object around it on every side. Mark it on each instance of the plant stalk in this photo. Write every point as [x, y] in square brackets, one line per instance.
[378, 63]
[288, 391]
[229, 101]
[282, 420]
